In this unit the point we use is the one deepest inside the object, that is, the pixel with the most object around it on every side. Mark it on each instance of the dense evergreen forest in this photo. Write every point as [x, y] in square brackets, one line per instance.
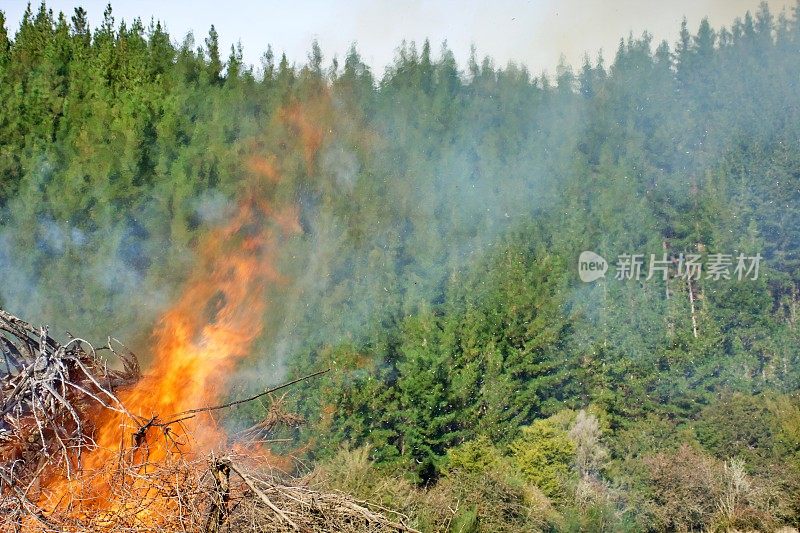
[478, 384]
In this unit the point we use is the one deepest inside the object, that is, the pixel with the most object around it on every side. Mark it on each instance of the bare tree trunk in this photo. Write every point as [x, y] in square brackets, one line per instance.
[691, 306]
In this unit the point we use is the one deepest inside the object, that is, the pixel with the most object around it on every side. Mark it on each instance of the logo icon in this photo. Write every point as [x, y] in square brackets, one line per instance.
[591, 266]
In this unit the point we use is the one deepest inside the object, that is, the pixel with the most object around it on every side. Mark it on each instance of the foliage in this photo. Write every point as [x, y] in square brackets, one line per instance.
[543, 455]
[475, 456]
[687, 486]
[738, 425]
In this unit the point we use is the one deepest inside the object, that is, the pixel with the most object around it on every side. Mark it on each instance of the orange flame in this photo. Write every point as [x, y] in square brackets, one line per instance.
[198, 341]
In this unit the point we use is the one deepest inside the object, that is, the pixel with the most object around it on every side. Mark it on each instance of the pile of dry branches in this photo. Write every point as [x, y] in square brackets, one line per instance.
[226, 494]
[47, 393]
[50, 395]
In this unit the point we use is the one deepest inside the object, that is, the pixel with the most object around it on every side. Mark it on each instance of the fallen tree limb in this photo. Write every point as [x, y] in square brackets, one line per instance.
[264, 498]
[251, 398]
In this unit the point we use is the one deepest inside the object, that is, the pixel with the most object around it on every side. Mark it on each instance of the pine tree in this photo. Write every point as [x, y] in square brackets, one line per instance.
[214, 66]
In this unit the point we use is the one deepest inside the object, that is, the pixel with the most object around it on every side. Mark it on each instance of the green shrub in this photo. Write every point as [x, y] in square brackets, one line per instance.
[739, 425]
[475, 456]
[543, 456]
[478, 496]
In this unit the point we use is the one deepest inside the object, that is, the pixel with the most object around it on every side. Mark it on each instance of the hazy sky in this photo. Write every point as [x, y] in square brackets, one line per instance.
[533, 32]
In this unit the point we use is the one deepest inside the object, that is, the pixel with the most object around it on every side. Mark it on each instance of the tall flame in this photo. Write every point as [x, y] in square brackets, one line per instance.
[196, 344]
[217, 318]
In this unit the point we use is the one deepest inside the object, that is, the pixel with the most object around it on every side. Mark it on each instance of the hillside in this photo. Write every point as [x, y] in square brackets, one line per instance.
[430, 219]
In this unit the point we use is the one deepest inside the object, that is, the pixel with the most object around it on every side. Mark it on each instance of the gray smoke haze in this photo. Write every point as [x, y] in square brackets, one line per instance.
[90, 282]
[433, 213]
[90, 286]
[432, 216]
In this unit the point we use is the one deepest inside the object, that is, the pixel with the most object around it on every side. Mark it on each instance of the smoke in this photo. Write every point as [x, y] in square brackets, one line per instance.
[91, 283]
[428, 192]
[392, 205]
[387, 225]
[341, 163]
[212, 207]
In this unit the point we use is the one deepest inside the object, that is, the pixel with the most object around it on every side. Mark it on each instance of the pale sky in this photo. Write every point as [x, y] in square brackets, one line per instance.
[533, 32]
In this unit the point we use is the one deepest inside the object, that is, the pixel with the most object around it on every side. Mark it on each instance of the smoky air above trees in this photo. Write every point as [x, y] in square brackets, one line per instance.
[535, 34]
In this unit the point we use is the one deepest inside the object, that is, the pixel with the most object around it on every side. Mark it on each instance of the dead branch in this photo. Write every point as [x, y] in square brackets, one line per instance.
[220, 470]
[251, 398]
[48, 393]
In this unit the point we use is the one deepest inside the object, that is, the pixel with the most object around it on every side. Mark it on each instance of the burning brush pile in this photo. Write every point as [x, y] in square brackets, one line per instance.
[88, 442]
[60, 472]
